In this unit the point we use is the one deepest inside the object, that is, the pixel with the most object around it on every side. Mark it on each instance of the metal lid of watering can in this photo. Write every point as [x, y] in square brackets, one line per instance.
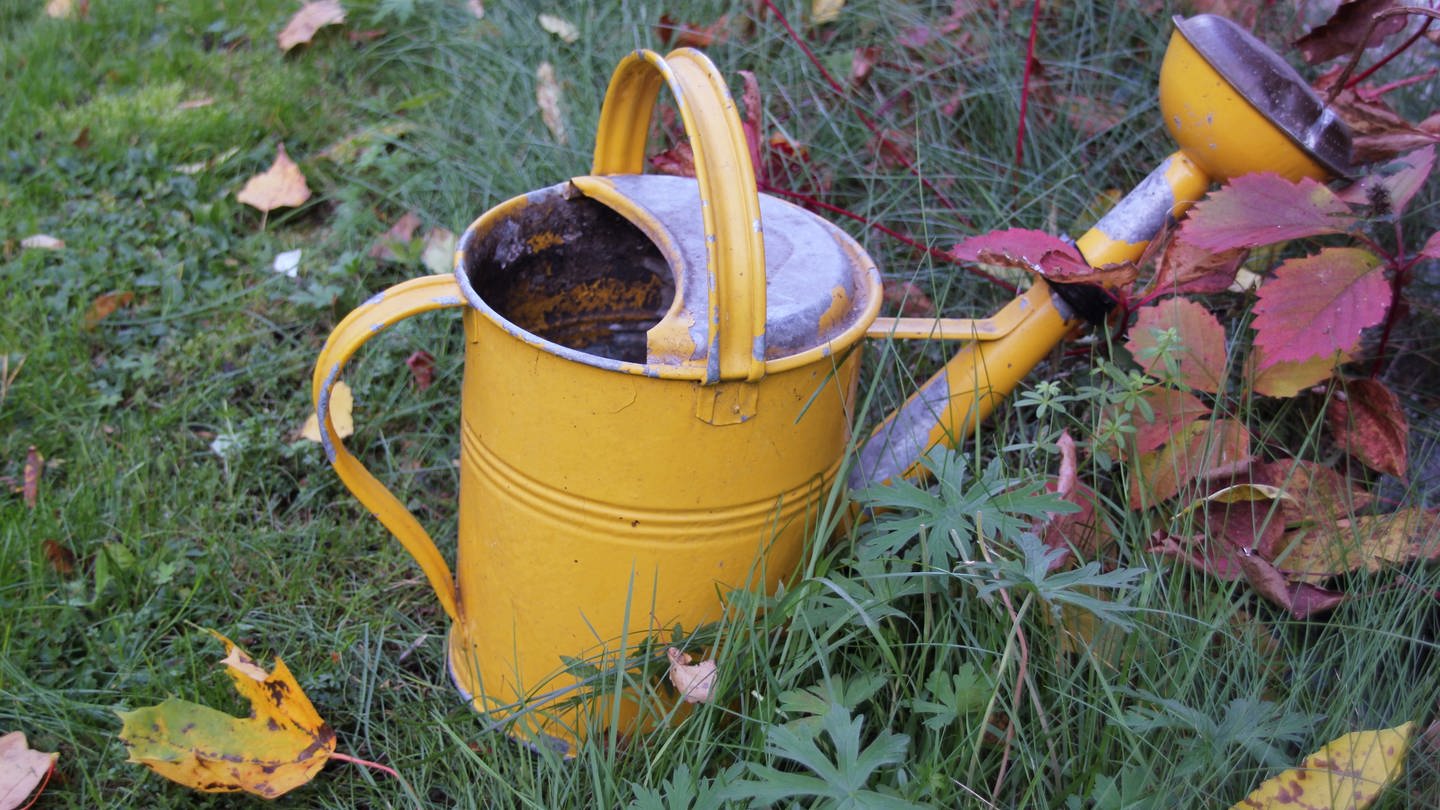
[819, 284]
[1271, 86]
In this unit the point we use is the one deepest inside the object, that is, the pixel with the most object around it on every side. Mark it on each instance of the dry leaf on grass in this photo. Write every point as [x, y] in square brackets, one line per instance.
[281, 746]
[1348, 772]
[34, 465]
[67, 9]
[280, 186]
[695, 682]
[560, 27]
[22, 770]
[342, 402]
[824, 11]
[399, 235]
[105, 305]
[547, 97]
[439, 253]
[310, 18]
[42, 241]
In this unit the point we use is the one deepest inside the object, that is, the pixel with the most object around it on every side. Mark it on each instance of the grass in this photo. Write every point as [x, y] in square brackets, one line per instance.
[174, 477]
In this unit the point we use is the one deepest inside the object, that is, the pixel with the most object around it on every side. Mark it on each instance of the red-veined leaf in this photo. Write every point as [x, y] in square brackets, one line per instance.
[1262, 209]
[1317, 305]
[1200, 352]
[1173, 411]
[1367, 421]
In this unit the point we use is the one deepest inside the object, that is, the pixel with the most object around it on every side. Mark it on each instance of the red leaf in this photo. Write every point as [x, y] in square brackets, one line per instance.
[1262, 209]
[1367, 421]
[1185, 268]
[34, 465]
[679, 160]
[1300, 599]
[1390, 189]
[1035, 251]
[1216, 559]
[61, 558]
[1317, 306]
[422, 368]
[399, 235]
[1432, 246]
[909, 298]
[863, 63]
[1345, 29]
[1200, 350]
[675, 34]
[1174, 411]
[1316, 492]
[1073, 530]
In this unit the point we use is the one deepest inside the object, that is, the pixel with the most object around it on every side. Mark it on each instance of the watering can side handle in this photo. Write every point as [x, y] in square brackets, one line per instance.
[395, 304]
[730, 206]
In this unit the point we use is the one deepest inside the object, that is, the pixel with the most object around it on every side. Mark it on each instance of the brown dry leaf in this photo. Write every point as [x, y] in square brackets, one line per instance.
[280, 186]
[1081, 530]
[674, 33]
[1368, 423]
[476, 8]
[1216, 559]
[547, 98]
[1173, 411]
[1318, 493]
[61, 558]
[1300, 598]
[310, 18]
[34, 465]
[23, 770]
[281, 746]
[560, 27]
[1205, 450]
[400, 234]
[342, 403]
[105, 305]
[909, 300]
[695, 682]
[42, 241]
[1346, 28]
[67, 9]
[825, 11]
[1369, 542]
[422, 368]
[1184, 268]
[1379, 132]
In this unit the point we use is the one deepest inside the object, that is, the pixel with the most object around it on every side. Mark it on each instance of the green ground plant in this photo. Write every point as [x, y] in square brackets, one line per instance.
[940, 654]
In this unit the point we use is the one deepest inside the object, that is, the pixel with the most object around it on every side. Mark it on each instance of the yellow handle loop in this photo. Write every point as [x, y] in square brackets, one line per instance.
[729, 206]
[395, 304]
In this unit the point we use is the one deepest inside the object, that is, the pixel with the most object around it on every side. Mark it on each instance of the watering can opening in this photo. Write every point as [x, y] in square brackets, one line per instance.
[573, 272]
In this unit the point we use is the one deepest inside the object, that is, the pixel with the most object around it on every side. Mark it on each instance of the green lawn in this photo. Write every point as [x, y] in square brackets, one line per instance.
[174, 475]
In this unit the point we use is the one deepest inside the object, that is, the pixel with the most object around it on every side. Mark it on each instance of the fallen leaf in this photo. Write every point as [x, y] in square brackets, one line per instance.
[695, 682]
[399, 235]
[678, 160]
[42, 241]
[1210, 556]
[342, 402]
[281, 746]
[862, 64]
[67, 9]
[422, 368]
[1369, 542]
[476, 8]
[676, 34]
[560, 27]
[195, 103]
[287, 263]
[1319, 493]
[1205, 450]
[909, 300]
[1290, 377]
[34, 465]
[1367, 421]
[547, 98]
[1346, 28]
[1300, 598]
[61, 558]
[280, 186]
[825, 11]
[1185, 268]
[1348, 772]
[82, 140]
[23, 770]
[1198, 352]
[1173, 411]
[1317, 306]
[439, 253]
[1081, 530]
[1378, 131]
[310, 18]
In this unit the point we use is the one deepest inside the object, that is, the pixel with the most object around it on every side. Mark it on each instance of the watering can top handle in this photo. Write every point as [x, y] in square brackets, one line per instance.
[729, 205]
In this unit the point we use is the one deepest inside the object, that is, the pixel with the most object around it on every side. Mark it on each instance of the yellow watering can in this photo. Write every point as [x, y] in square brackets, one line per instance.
[660, 376]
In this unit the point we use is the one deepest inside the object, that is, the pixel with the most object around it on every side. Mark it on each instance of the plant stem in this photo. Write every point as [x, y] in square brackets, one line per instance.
[1384, 60]
[1360, 47]
[1025, 83]
[364, 762]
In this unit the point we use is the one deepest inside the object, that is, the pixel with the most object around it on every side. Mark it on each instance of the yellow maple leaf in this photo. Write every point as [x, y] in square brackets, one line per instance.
[1347, 774]
[281, 746]
[280, 186]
